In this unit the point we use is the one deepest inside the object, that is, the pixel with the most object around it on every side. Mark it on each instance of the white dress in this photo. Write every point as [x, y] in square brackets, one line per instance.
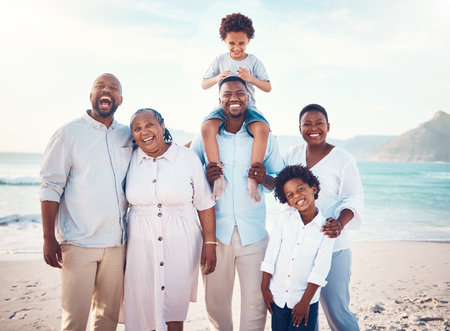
[164, 236]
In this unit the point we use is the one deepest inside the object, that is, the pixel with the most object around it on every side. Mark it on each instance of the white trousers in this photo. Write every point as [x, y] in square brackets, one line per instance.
[246, 260]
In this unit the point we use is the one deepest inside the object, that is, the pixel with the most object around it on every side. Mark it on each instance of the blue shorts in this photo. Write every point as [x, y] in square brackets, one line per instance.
[252, 115]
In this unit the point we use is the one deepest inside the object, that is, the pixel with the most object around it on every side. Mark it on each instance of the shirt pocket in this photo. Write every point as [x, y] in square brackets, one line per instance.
[310, 246]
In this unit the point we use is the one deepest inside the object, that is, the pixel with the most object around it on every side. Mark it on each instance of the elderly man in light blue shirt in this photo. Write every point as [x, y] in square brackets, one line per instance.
[83, 209]
[240, 222]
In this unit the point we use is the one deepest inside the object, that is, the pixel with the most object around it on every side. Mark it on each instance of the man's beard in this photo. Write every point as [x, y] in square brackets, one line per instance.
[97, 110]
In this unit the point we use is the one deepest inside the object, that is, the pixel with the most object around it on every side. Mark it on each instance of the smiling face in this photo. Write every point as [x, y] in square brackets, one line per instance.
[300, 195]
[148, 133]
[314, 127]
[106, 96]
[234, 99]
[237, 43]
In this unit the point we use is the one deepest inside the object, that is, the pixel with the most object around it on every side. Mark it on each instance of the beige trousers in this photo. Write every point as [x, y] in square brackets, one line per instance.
[91, 278]
[219, 285]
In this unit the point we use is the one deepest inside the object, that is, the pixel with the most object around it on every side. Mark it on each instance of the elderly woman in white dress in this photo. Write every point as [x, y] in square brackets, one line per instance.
[340, 200]
[168, 194]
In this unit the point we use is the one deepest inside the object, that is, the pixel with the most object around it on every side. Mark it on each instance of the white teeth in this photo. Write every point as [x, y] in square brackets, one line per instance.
[314, 135]
[105, 98]
[148, 139]
[235, 106]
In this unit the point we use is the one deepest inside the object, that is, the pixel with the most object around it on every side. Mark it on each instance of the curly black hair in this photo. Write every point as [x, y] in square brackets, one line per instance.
[236, 23]
[294, 171]
[159, 118]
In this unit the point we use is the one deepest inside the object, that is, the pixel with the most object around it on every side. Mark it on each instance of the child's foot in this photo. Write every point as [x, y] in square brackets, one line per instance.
[253, 190]
[219, 186]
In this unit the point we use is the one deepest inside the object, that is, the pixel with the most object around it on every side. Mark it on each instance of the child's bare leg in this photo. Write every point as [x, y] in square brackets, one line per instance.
[210, 128]
[260, 131]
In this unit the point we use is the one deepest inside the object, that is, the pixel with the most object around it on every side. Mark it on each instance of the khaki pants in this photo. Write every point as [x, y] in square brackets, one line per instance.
[219, 285]
[91, 278]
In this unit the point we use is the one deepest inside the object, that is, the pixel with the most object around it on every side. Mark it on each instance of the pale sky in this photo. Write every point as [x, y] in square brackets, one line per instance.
[378, 67]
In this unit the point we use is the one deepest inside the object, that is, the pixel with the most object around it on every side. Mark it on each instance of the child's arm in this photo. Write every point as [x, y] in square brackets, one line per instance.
[209, 131]
[263, 85]
[208, 82]
[301, 309]
[267, 295]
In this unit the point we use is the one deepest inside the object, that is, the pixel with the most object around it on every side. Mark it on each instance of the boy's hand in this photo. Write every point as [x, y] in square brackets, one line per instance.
[300, 312]
[268, 298]
[245, 74]
[222, 75]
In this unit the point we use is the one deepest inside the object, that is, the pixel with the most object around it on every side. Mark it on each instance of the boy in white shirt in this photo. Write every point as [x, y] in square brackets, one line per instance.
[298, 255]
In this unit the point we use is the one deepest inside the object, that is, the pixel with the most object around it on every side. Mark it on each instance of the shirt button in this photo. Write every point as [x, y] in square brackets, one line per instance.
[287, 291]
[298, 244]
[161, 263]
[159, 205]
[162, 288]
[154, 160]
[289, 275]
[292, 259]
[159, 214]
[160, 238]
[154, 181]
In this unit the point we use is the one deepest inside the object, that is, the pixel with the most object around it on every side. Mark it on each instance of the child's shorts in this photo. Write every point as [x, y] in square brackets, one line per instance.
[252, 115]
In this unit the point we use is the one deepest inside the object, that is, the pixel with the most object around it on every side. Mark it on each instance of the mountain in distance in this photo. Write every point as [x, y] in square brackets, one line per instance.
[429, 142]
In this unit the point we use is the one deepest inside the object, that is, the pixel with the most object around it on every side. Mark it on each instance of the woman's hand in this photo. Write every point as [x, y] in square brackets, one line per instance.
[208, 259]
[332, 228]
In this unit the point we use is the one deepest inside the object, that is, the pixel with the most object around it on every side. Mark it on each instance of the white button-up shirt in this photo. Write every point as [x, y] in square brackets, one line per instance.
[296, 255]
[83, 169]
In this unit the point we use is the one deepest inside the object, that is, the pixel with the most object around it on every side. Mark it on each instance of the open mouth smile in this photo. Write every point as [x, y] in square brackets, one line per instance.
[300, 202]
[105, 101]
[234, 106]
[148, 139]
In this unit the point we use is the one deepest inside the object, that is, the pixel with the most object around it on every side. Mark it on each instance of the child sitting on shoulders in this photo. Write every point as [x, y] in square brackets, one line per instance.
[236, 30]
[298, 255]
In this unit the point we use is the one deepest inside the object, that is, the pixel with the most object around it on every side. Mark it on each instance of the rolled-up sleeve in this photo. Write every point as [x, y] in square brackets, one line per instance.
[351, 195]
[55, 169]
[322, 262]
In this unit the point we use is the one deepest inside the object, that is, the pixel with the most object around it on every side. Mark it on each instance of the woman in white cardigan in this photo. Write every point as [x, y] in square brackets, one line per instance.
[341, 201]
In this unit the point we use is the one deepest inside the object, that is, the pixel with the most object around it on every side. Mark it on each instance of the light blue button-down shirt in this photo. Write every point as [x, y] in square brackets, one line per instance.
[84, 168]
[235, 208]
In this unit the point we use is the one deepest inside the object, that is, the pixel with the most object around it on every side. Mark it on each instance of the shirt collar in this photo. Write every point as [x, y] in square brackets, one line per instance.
[319, 220]
[168, 155]
[96, 124]
[242, 130]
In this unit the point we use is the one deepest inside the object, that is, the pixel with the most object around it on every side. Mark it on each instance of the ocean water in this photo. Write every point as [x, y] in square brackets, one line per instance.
[403, 201]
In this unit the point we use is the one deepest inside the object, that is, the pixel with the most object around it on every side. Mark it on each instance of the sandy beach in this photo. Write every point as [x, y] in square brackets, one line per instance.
[398, 285]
